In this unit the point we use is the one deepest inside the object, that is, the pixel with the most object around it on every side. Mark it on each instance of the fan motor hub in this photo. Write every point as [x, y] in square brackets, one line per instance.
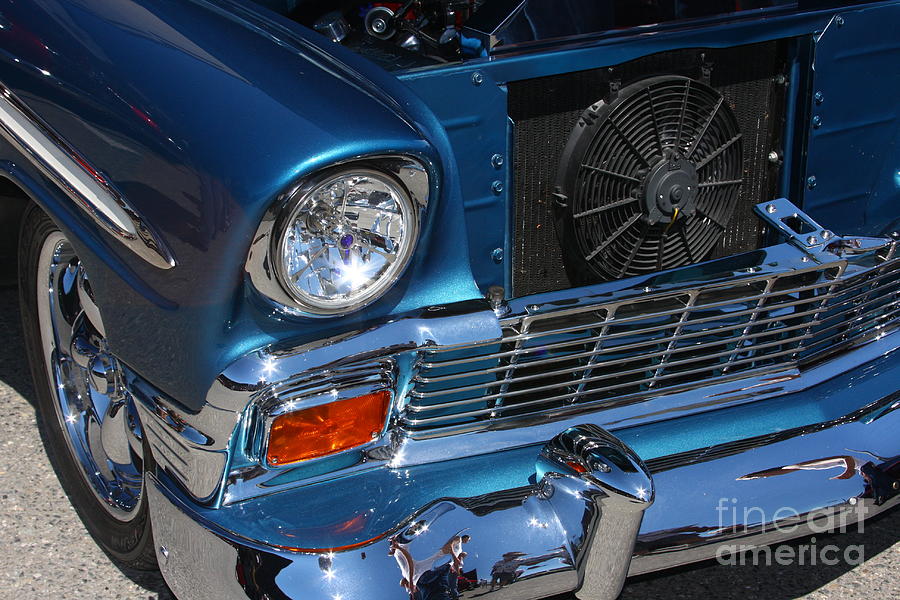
[670, 188]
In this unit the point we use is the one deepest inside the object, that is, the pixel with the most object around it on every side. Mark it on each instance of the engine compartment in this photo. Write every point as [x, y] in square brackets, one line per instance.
[401, 35]
[407, 33]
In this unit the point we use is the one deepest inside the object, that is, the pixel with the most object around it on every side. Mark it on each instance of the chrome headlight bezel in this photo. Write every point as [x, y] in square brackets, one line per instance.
[265, 264]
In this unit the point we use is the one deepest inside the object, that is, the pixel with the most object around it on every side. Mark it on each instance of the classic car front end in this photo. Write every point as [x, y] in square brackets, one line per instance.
[444, 298]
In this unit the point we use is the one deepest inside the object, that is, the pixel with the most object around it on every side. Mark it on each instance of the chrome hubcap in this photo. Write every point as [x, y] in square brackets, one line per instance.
[95, 414]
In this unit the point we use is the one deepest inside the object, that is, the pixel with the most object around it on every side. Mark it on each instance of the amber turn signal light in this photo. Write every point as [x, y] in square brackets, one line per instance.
[327, 428]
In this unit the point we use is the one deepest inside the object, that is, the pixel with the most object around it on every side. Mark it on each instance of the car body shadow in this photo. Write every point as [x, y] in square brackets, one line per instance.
[14, 370]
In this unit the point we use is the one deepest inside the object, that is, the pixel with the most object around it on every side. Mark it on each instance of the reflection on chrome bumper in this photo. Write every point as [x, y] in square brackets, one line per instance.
[574, 529]
[779, 486]
[574, 525]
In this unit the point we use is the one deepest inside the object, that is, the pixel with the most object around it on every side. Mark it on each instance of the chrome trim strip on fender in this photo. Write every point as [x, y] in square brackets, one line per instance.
[82, 183]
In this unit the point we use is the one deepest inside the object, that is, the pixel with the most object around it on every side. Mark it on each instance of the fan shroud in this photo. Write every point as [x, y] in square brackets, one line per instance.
[648, 180]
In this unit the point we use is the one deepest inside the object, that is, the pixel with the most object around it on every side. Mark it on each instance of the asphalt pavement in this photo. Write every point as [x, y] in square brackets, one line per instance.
[45, 551]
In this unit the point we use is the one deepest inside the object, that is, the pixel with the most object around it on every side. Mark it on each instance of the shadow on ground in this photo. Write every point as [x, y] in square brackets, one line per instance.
[13, 366]
[789, 581]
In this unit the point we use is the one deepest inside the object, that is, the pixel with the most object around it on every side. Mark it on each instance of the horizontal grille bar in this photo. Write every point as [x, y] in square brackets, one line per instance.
[529, 337]
[597, 338]
[593, 366]
[637, 347]
[530, 403]
[601, 351]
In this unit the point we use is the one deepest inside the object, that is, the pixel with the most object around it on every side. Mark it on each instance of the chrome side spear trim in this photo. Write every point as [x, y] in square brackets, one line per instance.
[81, 182]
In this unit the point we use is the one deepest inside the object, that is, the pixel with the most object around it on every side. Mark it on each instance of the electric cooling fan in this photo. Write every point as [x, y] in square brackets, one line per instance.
[648, 180]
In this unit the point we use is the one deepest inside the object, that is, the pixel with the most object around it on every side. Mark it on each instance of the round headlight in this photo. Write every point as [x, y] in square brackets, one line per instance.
[346, 241]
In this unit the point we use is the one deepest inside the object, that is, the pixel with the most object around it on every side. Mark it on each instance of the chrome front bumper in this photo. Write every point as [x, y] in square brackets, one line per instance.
[550, 535]
[779, 436]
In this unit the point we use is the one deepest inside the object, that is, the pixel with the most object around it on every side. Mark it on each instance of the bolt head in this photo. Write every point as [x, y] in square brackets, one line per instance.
[773, 156]
[811, 182]
[497, 187]
[771, 209]
[497, 161]
[819, 97]
[812, 240]
[477, 78]
[896, 485]
[816, 121]
[839, 21]
[497, 255]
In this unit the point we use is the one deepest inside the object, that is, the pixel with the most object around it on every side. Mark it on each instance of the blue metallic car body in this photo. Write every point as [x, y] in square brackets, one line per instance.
[202, 112]
[151, 92]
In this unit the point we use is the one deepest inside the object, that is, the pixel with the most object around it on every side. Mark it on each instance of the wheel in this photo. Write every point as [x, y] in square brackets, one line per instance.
[89, 423]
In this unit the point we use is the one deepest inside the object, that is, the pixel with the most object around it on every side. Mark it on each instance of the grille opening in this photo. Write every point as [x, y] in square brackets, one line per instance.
[545, 110]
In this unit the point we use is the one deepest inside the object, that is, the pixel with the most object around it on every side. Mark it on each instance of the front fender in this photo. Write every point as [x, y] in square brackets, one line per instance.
[199, 113]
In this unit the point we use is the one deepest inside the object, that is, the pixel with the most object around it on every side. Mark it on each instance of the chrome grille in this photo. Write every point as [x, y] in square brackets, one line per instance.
[630, 349]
